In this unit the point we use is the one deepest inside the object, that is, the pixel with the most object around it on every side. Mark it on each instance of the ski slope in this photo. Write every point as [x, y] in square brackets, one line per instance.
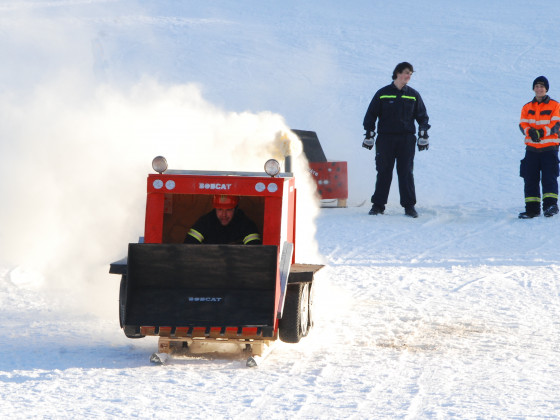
[451, 315]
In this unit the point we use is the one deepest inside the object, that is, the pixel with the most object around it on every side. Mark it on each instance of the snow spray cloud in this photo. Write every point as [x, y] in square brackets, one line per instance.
[74, 157]
[75, 191]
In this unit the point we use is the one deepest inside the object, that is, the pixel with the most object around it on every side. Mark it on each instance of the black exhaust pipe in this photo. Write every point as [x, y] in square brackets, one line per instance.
[288, 164]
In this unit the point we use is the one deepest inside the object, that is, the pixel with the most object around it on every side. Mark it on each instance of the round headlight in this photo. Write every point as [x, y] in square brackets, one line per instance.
[159, 164]
[272, 167]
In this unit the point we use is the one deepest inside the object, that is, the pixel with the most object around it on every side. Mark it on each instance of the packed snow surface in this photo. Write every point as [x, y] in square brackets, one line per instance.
[454, 314]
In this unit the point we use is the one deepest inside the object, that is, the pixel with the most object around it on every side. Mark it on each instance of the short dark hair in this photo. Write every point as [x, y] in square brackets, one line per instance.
[402, 67]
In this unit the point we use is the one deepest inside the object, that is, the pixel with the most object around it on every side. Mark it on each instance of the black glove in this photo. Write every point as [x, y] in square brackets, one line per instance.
[536, 134]
[423, 134]
[423, 143]
[368, 141]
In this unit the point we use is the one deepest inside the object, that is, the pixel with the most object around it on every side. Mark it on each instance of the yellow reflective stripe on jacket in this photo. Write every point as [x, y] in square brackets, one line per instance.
[539, 122]
[196, 235]
[542, 143]
[251, 237]
[395, 97]
[532, 199]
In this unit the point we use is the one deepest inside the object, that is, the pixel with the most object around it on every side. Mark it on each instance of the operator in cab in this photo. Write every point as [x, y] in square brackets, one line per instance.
[225, 224]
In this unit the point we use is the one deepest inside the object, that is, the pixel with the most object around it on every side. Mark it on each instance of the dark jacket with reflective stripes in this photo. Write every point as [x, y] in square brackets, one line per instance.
[396, 111]
[209, 230]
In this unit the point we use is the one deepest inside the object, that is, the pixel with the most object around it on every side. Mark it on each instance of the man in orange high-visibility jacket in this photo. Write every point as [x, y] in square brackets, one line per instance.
[540, 123]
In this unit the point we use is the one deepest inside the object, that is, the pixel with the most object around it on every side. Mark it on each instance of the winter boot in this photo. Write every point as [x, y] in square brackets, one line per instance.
[410, 211]
[551, 210]
[376, 209]
[531, 210]
[529, 214]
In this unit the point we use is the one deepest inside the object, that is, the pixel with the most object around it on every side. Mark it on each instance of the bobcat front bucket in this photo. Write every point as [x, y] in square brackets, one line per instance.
[214, 291]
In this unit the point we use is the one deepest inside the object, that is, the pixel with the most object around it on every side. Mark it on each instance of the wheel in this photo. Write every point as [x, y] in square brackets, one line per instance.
[310, 316]
[122, 300]
[130, 331]
[295, 320]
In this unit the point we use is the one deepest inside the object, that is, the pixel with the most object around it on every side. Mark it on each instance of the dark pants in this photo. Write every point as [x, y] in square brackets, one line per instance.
[532, 166]
[388, 149]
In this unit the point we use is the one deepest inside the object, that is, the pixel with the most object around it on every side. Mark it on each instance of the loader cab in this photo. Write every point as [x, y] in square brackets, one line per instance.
[181, 211]
[176, 199]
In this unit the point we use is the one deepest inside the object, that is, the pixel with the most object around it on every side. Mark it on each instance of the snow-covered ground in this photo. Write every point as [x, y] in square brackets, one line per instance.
[451, 315]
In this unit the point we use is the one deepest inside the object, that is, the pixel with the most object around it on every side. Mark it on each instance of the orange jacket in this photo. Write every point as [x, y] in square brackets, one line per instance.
[545, 115]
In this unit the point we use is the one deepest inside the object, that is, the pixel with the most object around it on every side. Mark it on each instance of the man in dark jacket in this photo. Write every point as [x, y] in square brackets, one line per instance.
[395, 108]
[226, 224]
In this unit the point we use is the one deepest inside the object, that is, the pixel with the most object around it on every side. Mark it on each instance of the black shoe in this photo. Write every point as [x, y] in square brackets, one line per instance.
[529, 214]
[375, 210]
[410, 211]
[551, 210]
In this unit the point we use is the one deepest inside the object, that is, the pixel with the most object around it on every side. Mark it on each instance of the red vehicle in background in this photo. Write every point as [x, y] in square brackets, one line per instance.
[250, 295]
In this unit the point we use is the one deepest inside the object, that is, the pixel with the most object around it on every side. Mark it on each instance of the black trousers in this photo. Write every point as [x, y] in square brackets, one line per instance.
[540, 168]
[391, 148]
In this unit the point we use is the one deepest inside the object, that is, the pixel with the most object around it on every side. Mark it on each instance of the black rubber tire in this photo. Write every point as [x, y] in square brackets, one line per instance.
[294, 324]
[130, 331]
[310, 316]
[122, 300]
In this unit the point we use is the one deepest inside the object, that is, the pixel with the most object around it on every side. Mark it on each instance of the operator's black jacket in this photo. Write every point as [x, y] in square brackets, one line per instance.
[209, 230]
[396, 111]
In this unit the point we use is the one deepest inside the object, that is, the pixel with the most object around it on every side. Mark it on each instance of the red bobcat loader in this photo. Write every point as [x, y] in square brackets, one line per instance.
[192, 295]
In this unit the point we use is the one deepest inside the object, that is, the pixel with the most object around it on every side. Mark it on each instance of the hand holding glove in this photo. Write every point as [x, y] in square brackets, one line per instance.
[368, 141]
[536, 134]
[423, 143]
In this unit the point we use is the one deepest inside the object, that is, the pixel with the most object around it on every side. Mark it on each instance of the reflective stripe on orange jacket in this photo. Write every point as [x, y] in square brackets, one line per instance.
[541, 115]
